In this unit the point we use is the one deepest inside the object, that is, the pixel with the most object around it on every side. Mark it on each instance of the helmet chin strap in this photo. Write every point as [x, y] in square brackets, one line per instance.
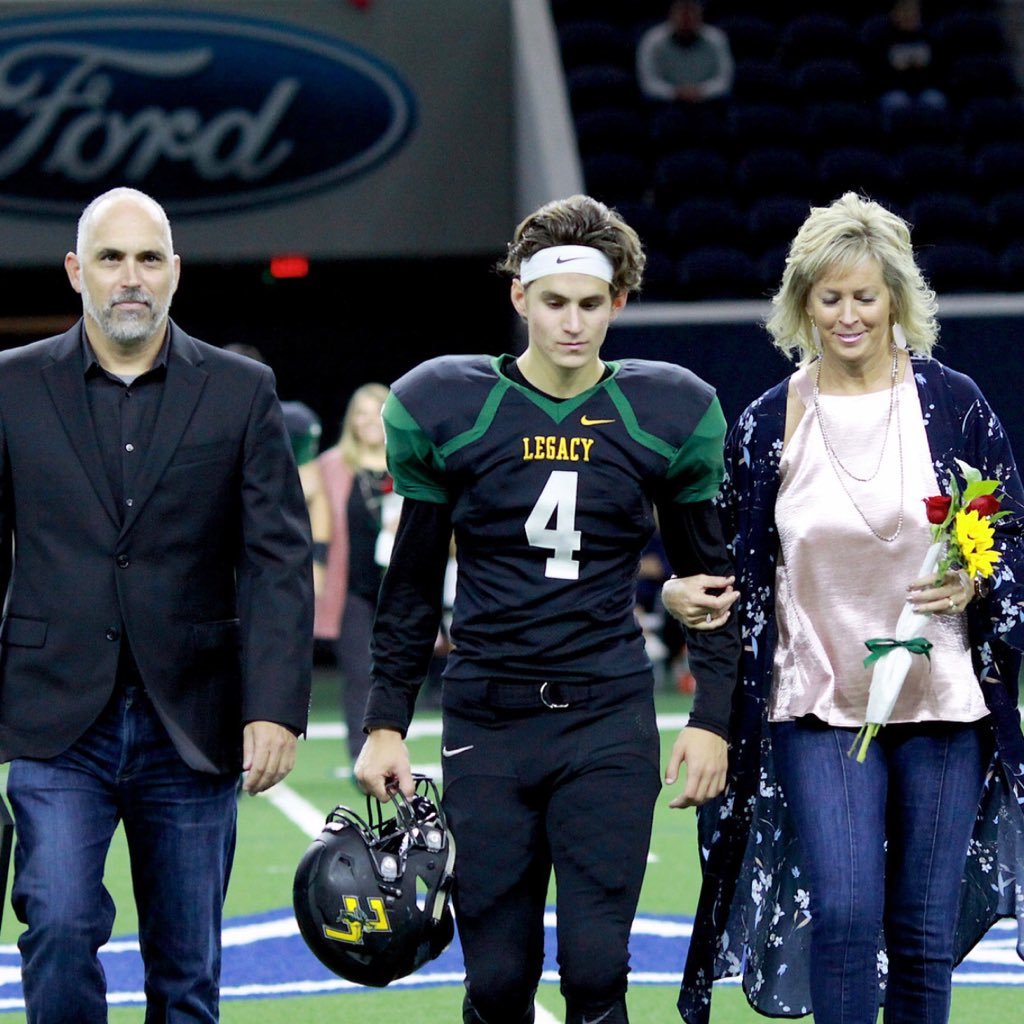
[440, 902]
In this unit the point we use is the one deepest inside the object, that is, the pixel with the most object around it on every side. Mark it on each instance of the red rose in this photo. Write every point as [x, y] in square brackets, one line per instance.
[984, 505]
[938, 508]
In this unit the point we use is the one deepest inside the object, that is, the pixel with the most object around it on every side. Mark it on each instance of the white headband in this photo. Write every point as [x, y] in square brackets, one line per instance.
[566, 259]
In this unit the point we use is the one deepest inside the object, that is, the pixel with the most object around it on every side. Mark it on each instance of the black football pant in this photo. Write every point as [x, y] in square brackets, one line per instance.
[535, 788]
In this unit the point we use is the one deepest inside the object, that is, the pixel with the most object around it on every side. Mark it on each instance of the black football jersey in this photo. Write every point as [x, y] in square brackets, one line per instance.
[552, 503]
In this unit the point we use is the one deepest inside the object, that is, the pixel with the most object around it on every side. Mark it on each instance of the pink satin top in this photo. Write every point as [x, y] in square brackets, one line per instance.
[838, 585]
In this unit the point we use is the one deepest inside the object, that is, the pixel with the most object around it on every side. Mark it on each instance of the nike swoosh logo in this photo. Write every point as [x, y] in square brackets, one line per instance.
[568, 259]
[452, 751]
[586, 421]
[597, 1020]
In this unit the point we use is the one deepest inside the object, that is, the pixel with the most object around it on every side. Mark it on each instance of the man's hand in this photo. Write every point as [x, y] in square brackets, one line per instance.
[707, 760]
[268, 755]
[384, 762]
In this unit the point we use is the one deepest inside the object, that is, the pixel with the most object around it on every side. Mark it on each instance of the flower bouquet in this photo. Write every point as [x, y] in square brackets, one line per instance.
[962, 539]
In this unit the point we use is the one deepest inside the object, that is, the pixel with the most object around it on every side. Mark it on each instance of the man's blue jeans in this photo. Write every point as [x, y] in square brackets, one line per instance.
[180, 828]
[918, 790]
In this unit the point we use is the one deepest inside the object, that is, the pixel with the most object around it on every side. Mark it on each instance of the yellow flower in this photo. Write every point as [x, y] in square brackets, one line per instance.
[974, 537]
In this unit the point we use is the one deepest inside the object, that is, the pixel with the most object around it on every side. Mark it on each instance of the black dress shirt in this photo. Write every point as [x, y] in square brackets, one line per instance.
[123, 417]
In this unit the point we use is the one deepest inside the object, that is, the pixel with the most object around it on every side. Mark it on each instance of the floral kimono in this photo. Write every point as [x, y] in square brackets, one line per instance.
[752, 916]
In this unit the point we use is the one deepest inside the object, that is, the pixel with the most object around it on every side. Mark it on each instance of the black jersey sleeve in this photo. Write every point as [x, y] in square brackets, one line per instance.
[408, 614]
[694, 543]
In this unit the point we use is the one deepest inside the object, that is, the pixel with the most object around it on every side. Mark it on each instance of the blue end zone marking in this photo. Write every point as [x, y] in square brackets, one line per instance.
[264, 957]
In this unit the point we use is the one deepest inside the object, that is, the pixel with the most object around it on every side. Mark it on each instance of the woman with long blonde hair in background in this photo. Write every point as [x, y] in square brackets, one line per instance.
[354, 516]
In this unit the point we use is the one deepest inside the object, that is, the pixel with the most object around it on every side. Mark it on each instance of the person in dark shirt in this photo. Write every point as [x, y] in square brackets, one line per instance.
[157, 630]
[684, 60]
[905, 62]
[549, 467]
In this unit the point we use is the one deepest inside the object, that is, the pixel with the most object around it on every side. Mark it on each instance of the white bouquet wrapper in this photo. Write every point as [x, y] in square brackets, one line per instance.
[890, 670]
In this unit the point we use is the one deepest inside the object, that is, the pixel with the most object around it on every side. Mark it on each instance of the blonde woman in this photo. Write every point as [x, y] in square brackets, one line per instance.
[831, 882]
[353, 516]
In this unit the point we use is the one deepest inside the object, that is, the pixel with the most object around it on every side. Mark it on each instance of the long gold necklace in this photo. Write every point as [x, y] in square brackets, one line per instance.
[836, 462]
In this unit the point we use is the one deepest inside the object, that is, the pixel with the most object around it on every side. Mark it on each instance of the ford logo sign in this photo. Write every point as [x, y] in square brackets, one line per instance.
[205, 112]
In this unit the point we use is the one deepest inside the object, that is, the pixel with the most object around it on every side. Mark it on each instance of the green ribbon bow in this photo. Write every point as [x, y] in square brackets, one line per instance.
[883, 645]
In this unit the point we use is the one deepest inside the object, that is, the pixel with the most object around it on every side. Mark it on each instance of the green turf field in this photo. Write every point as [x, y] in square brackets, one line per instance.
[270, 845]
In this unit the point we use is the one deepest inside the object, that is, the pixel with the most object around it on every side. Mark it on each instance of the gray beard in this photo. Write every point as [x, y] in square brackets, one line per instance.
[127, 330]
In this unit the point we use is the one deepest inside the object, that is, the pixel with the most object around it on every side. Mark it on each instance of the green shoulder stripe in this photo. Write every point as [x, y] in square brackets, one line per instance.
[629, 421]
[697, 469]
[413, 460]
[483, 420]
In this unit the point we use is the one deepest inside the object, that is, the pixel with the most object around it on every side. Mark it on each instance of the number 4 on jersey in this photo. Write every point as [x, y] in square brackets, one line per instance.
[558, 500]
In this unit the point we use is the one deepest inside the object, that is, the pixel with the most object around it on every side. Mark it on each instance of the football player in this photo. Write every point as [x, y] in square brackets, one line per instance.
[549, 468]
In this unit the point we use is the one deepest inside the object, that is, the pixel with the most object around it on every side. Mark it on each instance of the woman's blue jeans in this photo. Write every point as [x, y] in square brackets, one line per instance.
[180, 828]
[884, 844]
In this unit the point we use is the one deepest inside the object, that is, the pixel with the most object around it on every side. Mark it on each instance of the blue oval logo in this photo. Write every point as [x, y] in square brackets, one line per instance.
[207, 113]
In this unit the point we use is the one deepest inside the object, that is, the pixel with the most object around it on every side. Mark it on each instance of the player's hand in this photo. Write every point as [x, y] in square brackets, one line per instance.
[268, 755]
[700, 602]
[707, 760]
[383, 763]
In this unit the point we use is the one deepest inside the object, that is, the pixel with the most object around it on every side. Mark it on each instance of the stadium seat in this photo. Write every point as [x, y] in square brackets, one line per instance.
[753, 125]
[810, 36]
[933, 168]
[759, 81]
[647, 221]
[939, 218]
[998, 168]
[615, 177]
[676, 126]
[614, 11]
[592, 41]
[770, 267]
[750, 36]
[691, 173]
[612, 130]
[857, 169]
[960, 268]
[774, 170]
[696, 223]
[908, 126]
[660, 278]
[594, 86]
[773, 221]
[963, 32]
[1004, 218]
[829, 119]
[718, 272]
[989, 119]
[833, 78]
[977, 75]
[1011, 267]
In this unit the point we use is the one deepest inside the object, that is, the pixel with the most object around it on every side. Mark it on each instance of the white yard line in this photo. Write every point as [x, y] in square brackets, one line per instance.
[297, 809]
[542, 1016]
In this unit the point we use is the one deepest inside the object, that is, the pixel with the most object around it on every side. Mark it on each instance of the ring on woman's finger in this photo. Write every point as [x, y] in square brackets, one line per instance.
[952, 603]
[707, 618]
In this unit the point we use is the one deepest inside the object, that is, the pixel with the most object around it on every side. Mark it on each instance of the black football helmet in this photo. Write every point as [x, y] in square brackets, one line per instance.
[372, 896]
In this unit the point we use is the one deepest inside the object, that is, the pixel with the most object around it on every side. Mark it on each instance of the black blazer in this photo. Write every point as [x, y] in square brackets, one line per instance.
[208, 575]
